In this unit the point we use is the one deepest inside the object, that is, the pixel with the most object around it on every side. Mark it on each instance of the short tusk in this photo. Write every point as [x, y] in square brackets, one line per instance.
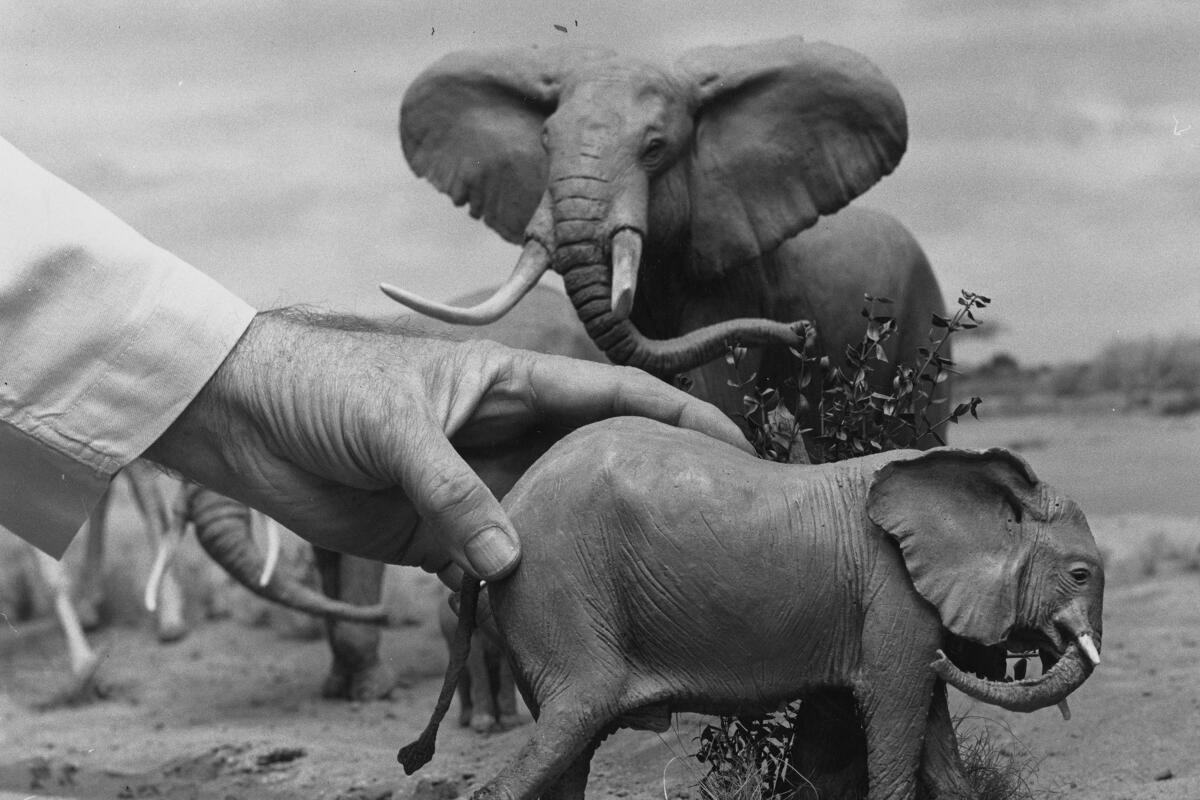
[1064, 709]
[1089, 648]
[534, 261]
[272, 560]
[162, 559]
[626, 256]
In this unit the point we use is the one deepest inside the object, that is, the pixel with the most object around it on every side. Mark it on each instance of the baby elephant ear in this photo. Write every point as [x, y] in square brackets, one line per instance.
[957, 516]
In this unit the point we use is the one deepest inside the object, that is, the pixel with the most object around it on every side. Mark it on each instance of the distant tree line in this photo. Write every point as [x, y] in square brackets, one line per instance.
[1154, 373]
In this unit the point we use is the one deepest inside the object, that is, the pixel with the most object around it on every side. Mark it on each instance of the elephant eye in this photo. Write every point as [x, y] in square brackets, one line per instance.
[1080, 575]
[654, 150]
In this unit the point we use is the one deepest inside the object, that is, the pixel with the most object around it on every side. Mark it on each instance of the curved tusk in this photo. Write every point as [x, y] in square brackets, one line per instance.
[1089, 648]
[626, 256]
[534, 261]
[1064, 709]
[162, 560]
[272, 560]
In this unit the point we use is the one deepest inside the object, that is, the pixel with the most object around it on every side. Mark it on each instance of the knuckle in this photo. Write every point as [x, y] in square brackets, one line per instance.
[635, 376]
[454, 493]
[485, 349]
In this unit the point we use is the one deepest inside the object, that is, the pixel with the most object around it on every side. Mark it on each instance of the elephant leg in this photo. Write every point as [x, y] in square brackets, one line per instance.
[89, 593]
[894, 719]
[565, 732]
[448, 624]
[942, 770]
[573, 781]
[170, 622]
[829, 755]
[505, 692]
[165, 529]
[356, 672]
[465, 704]
[482, 699]
[82, 658]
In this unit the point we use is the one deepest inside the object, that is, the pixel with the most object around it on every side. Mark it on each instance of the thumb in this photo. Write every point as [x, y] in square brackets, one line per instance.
[456, 507]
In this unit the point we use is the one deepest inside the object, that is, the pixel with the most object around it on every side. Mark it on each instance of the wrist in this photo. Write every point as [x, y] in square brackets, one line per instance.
[198, 443]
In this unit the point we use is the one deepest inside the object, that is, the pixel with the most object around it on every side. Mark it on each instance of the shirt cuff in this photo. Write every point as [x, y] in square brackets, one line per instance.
[106, 339]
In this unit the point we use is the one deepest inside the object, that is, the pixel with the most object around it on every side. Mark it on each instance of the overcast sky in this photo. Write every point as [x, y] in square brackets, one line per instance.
[1053, 159]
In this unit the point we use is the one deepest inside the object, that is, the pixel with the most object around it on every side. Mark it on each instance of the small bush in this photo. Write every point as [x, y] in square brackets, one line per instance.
[854, 418]
[751, 763]
[1159, 550]
[993, 771]
[748, 754]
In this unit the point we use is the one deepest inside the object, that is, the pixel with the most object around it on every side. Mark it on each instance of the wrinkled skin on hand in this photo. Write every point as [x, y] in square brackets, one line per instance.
[343, 433]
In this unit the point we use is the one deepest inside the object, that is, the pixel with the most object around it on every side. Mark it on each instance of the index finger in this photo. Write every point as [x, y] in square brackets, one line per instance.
[571, 392]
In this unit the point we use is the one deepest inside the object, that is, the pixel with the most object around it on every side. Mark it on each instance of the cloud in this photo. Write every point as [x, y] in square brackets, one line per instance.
[259, 140]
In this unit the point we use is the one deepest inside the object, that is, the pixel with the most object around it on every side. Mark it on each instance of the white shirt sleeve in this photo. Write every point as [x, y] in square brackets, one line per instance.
[104, 339]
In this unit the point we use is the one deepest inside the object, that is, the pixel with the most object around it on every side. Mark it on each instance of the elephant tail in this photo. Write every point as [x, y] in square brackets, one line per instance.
[416, 755]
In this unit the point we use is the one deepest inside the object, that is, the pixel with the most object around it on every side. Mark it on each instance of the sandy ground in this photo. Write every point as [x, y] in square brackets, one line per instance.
[233, 711]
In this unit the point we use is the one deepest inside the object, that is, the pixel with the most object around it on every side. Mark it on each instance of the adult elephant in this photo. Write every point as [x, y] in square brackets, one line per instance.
[544, 322]
[670, 198]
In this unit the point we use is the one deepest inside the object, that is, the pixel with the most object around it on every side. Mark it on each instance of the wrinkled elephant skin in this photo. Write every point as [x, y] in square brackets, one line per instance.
[663, 572]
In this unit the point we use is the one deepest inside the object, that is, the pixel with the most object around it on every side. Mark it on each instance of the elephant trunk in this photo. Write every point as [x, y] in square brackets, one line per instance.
[223, 530]
[1052, 688]
[598, 250]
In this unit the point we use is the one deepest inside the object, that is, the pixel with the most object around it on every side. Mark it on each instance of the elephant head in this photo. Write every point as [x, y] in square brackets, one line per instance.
[1005, 560]
[607, 168]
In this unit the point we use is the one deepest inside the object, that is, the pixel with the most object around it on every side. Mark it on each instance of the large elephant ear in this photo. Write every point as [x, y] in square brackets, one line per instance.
[957, 515]
[472, 125]
[785, 131]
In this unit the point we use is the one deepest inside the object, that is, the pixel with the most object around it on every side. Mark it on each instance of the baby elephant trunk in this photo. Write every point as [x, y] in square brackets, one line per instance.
[416, 755]
[1067, 675]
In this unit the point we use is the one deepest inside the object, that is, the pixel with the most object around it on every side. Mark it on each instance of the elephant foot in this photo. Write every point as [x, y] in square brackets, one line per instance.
[464, 716]
[88, 611]
[491, 792]
[336, 686]
[371, 683]
[483, 722]
[170, 631]
[217, 610]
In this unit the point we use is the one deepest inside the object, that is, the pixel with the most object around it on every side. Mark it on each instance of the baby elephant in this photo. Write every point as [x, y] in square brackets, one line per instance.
[665, 572]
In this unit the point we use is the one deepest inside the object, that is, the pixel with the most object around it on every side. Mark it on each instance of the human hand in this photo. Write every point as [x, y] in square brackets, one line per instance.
[342, 431]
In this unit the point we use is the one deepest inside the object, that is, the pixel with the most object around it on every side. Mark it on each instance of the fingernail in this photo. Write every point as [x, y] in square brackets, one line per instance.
[491, 553]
